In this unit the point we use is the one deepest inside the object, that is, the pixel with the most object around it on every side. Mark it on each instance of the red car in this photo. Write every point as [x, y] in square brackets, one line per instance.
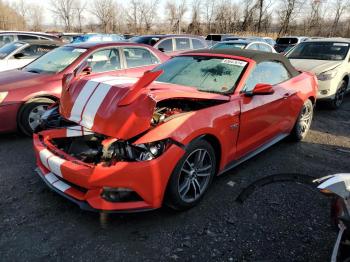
[26, 93]
[121, 144]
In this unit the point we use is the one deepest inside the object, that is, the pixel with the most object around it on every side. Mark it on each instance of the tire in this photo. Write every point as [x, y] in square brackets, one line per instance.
[30, 113]
[191, 179]
[339, 96]
[303, 122]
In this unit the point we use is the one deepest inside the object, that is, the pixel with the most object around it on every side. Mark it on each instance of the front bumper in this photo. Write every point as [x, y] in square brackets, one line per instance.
[8, 117]
[83, 183]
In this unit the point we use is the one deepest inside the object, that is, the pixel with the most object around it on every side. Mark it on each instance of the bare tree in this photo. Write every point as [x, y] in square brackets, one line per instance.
[79, 8]
[149, 13]
[287, 10]
[209, 13]
[175, 13]
[249, 10]
[36, 13]
[23, 10]
[226, 16]
[63, 9]
[195, 26]
[103, 10]
[340, 6]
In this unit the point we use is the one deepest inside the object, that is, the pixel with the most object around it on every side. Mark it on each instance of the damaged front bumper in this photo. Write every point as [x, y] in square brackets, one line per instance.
[86, 184]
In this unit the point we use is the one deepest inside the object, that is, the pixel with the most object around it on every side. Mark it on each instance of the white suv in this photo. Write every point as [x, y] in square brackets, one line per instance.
[329, 59]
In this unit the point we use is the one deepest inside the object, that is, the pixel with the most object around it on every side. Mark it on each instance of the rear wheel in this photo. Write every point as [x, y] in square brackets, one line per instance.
[303, 123]
[192, 176]
[339, 95]
[30, 114]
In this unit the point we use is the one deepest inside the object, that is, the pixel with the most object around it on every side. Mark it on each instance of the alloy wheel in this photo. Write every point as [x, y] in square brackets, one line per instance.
[306, 118]
[195, 175]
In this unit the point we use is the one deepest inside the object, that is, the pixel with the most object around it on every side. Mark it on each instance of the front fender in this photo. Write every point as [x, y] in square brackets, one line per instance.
[220, 121]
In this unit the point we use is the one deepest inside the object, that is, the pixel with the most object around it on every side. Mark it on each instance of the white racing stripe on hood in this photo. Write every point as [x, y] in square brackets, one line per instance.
[94, 104]
[81, 100]
[91, 97]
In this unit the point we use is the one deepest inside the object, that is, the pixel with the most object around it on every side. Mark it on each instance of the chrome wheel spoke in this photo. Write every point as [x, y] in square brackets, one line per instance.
[195, 175]
[185, 188]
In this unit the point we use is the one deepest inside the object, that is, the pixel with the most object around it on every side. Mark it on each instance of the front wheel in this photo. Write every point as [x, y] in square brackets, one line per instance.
[303, 123]
[30, 114]
[336, 102]
[192, 176]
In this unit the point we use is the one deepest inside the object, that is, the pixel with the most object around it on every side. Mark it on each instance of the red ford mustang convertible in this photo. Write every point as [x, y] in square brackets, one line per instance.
[123, 144]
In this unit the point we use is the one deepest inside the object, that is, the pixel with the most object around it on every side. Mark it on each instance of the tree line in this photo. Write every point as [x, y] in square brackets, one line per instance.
[280, 17]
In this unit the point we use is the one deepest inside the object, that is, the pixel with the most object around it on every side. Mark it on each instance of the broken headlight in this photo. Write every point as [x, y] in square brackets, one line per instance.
[125, 151]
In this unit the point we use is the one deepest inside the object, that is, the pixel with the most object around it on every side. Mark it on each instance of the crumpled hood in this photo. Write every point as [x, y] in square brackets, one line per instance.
[121, 107]
[314, 66]
[15, 79]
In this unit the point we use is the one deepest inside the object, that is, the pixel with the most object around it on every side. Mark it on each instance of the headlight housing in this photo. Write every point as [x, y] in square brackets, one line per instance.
[3, 95]
[125, 151]
[328, 75]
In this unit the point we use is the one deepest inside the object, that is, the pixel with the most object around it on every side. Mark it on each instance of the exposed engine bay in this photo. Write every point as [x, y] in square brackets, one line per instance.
[96, 148]
[169, 109]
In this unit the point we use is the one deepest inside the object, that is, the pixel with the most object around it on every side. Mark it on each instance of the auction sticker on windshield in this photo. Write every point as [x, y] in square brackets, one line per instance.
[234, 62]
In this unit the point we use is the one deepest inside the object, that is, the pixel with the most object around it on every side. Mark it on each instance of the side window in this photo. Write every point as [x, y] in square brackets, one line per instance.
[264, 48]
[254, 47]
[136, 57]
[27, 37]
[267, 73]
[104, 60]
[197, 44]
[5, 39]
[182, 44]
[166, 45]
[34, 51]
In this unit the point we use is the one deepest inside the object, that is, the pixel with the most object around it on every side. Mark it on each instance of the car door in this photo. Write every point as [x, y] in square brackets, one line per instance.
[263, 117]
[106, 61]
[137, 60]
[182, 44]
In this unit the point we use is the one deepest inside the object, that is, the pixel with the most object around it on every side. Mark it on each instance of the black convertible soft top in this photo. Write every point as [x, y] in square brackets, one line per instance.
[257, 56]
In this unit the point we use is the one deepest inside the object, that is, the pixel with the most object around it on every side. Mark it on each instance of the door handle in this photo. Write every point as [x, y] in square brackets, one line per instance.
[286, 95]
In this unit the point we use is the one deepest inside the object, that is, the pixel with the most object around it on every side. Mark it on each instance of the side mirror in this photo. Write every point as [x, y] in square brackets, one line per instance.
[86, 71]
[261, 89]
[161, 49]
[18, 55]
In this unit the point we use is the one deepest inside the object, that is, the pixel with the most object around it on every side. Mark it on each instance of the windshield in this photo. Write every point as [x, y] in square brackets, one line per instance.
[56, 60]
[229, 46]
[147, 40]
[320, 51]
[287, 41]
[208, 74]
[9, 48]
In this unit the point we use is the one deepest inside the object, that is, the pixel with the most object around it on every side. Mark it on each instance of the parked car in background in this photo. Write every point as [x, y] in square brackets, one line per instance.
[12, 36]
[287, 41]
[169, 133]
[98, 38]
[329, 60]
[270, 41]
[20, 53]
[26, 93]
[69, 37]
[172, 44]
[244, 44]
[212, 39]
